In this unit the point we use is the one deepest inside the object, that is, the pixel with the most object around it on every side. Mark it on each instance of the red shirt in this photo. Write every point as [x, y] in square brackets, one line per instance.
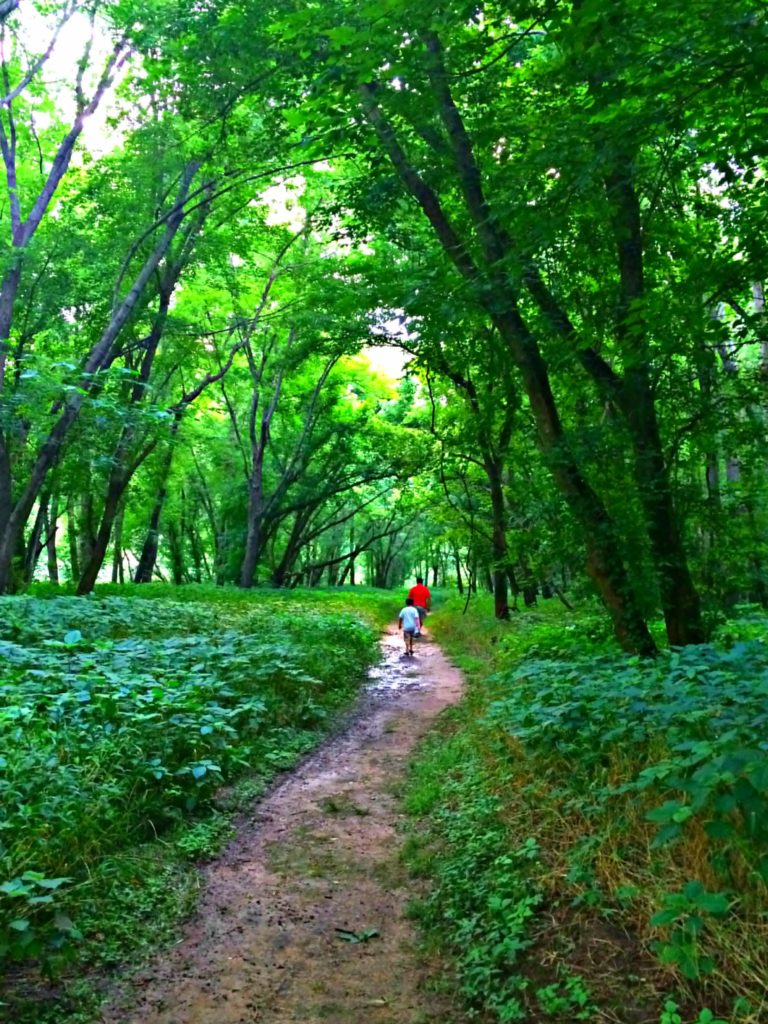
[420, 594]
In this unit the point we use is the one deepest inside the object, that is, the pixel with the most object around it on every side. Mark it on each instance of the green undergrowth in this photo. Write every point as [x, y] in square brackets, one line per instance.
[594, 827]
[132, 726]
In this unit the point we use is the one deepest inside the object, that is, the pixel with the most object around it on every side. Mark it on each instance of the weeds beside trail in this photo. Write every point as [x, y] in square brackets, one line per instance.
[121, 720]
[596, 827]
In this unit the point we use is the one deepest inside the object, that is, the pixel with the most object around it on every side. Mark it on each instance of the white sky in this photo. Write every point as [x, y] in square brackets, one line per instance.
[60, 71]
[387, 361]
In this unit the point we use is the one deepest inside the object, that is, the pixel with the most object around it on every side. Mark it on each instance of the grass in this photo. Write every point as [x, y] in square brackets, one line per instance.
[592, 826]
[133, 724]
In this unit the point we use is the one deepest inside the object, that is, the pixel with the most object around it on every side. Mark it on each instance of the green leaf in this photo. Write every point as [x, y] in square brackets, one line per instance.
[356, 937]
[52, 883]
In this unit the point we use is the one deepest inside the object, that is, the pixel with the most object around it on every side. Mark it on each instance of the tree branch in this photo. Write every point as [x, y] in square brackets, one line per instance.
[10, 96]
[424, 195]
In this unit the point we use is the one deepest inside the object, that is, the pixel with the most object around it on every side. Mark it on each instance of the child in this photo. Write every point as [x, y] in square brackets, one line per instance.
[409, 622]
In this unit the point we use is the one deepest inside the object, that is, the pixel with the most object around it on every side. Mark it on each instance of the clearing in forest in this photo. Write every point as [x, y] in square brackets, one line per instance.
[302, 919]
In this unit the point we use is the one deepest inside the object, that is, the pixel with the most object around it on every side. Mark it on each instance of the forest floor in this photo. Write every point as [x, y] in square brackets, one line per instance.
[303, 916]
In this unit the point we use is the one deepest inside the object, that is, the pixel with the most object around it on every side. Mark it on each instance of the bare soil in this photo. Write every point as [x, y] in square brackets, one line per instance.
[313, 866]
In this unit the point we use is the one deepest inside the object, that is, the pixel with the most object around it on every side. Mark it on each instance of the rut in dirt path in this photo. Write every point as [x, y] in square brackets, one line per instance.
[319, 854]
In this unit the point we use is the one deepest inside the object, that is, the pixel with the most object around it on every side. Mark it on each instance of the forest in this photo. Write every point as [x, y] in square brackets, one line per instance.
[300, 300]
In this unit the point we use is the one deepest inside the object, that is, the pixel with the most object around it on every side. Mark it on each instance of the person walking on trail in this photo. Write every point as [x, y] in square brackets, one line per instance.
[408, 621]
[421, 598]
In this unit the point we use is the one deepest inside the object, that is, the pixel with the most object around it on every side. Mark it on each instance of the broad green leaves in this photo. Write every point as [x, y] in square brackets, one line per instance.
[134, 720]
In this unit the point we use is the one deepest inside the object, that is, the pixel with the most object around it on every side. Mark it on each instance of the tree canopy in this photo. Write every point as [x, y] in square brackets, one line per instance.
[553, 211]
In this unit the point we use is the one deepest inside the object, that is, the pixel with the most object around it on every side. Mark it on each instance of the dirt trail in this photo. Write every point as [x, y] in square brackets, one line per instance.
[320, 853]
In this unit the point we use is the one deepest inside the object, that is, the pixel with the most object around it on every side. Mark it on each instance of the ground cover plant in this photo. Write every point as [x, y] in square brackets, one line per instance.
[595, 831]
[121, 721]
[340, 293]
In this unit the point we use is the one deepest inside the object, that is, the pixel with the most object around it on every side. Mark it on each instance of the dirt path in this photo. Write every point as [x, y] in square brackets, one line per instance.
[320, 853]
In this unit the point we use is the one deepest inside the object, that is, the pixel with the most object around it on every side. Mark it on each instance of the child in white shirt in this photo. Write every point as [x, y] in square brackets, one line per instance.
[408, 620]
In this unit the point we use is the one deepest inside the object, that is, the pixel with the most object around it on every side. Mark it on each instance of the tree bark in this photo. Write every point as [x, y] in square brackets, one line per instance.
[457, 565]
[176, 549]
[259, 441]
[146, 564]
[117, 554]
[74, 559]
[259, 507]
[196, 549]
[122, 470]
[148, 557]
[98, 549]
[493, 469]
[605, 563]
[51, 528]
[36, 542]
[86, 532]
[679, 597]
[292, 549]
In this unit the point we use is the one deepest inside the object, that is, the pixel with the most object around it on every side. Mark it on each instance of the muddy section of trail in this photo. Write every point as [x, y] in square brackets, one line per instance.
[302, 919]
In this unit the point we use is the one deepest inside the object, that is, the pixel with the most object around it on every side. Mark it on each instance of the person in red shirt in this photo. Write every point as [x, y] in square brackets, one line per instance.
[421, 598]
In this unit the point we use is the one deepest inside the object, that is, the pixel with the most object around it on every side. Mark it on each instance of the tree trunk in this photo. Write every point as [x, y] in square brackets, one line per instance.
[493, 468]
[758, 590]
[253, 531]
[513, 586]
[259, 440]
[74, 560]
[457, 564]
[148, 557]
[176, 550]
[352, 559]
[679, 598]
[86, 535]
[605, 563]
[51, 527]
[118, 575]
[221, 570]
[197, 553]
[36, 542]
[529, 588]
[6, 483]
[98, 548]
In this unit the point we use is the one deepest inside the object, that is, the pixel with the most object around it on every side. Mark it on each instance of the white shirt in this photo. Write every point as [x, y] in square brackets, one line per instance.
[410, 617]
